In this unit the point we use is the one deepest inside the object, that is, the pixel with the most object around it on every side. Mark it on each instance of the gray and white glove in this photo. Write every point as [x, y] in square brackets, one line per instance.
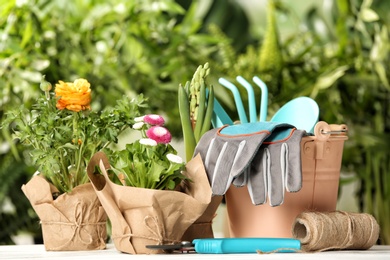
[229, 150]
[276, 167]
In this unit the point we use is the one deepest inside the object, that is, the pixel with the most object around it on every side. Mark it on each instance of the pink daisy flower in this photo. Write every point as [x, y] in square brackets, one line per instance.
[153, 119]
[159, 134]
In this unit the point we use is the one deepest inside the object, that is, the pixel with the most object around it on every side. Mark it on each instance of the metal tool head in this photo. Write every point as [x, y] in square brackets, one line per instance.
[183, 247]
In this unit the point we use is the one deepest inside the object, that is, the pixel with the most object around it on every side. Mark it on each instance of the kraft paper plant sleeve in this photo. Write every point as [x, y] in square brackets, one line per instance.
[73, 221]
[143, 217]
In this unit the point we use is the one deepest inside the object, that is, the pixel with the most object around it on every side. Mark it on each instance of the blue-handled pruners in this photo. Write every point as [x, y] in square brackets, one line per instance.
[233, 246]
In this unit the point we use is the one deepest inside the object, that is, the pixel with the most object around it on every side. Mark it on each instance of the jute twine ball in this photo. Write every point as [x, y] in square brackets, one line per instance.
[320, 231]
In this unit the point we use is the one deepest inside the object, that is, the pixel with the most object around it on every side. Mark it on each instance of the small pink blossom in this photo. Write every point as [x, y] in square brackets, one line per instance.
[153, 119]
[159, 134]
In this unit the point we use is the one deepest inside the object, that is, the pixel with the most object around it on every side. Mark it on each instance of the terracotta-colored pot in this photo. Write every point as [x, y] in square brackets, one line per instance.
[321, 157]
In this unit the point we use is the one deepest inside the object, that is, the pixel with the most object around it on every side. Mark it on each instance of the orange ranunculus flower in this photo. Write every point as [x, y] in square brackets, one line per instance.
[74, 96]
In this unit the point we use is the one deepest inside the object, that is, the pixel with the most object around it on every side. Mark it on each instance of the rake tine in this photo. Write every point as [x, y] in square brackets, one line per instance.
[237, 99]
[251, 98]
[264, 98]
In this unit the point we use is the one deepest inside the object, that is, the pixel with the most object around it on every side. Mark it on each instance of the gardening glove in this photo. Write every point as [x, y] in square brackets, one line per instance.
[276, 167]
[229, 150]
[242, 179]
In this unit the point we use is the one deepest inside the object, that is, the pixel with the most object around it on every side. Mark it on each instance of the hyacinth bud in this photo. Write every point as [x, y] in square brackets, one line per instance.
[207, 72]
[202, 73]
[192, 90]
[196, 76]
[192, 104]
[45, 85]
[195, 113]
[197, 87]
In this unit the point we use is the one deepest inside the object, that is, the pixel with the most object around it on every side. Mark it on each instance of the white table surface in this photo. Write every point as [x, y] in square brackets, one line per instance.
[39, 252]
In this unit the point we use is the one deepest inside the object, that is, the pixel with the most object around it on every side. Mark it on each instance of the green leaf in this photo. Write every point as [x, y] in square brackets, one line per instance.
[121, 163]
[327, 79]
[155, 171]
[381, 70]
[27, 34]
[380, 48]
[369, 15]
[171, 185]
[188, 133]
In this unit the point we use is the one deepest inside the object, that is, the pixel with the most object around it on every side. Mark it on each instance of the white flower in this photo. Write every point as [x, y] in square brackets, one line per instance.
[147, 141]
[174, 158]
[138, 125]
[139, 119]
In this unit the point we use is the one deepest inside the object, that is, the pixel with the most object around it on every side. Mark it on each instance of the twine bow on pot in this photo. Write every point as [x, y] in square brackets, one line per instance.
[78, 226]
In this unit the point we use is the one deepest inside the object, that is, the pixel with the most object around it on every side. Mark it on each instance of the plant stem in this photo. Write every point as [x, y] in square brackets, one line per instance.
[75, 140]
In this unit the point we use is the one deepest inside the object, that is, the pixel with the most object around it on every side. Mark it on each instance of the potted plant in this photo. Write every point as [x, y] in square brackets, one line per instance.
[152, 197]
[196, 106]
[63, 133]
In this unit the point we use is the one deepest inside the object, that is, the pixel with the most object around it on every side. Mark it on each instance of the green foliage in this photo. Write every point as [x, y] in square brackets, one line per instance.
[121, 47]
[19, 216]
[270, 58]
[362, 98]
[230, 17]
[125, 47]
[144, 166]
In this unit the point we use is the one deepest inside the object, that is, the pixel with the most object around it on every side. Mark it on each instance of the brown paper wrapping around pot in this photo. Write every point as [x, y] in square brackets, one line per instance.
[73, 221]
[143, 217]
[202, 227]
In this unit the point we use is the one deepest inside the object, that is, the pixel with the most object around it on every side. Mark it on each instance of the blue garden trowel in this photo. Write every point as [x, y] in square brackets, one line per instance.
[301, 112]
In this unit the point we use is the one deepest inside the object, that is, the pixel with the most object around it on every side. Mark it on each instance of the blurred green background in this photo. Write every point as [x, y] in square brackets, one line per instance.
[335, 51]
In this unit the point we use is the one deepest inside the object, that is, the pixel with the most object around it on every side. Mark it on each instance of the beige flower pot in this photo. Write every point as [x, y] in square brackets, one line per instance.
[321, 157]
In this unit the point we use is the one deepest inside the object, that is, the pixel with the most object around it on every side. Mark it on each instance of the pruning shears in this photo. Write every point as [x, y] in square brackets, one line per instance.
[233, 246]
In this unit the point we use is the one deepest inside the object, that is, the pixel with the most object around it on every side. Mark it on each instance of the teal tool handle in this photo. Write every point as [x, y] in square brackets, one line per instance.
[245, 245]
